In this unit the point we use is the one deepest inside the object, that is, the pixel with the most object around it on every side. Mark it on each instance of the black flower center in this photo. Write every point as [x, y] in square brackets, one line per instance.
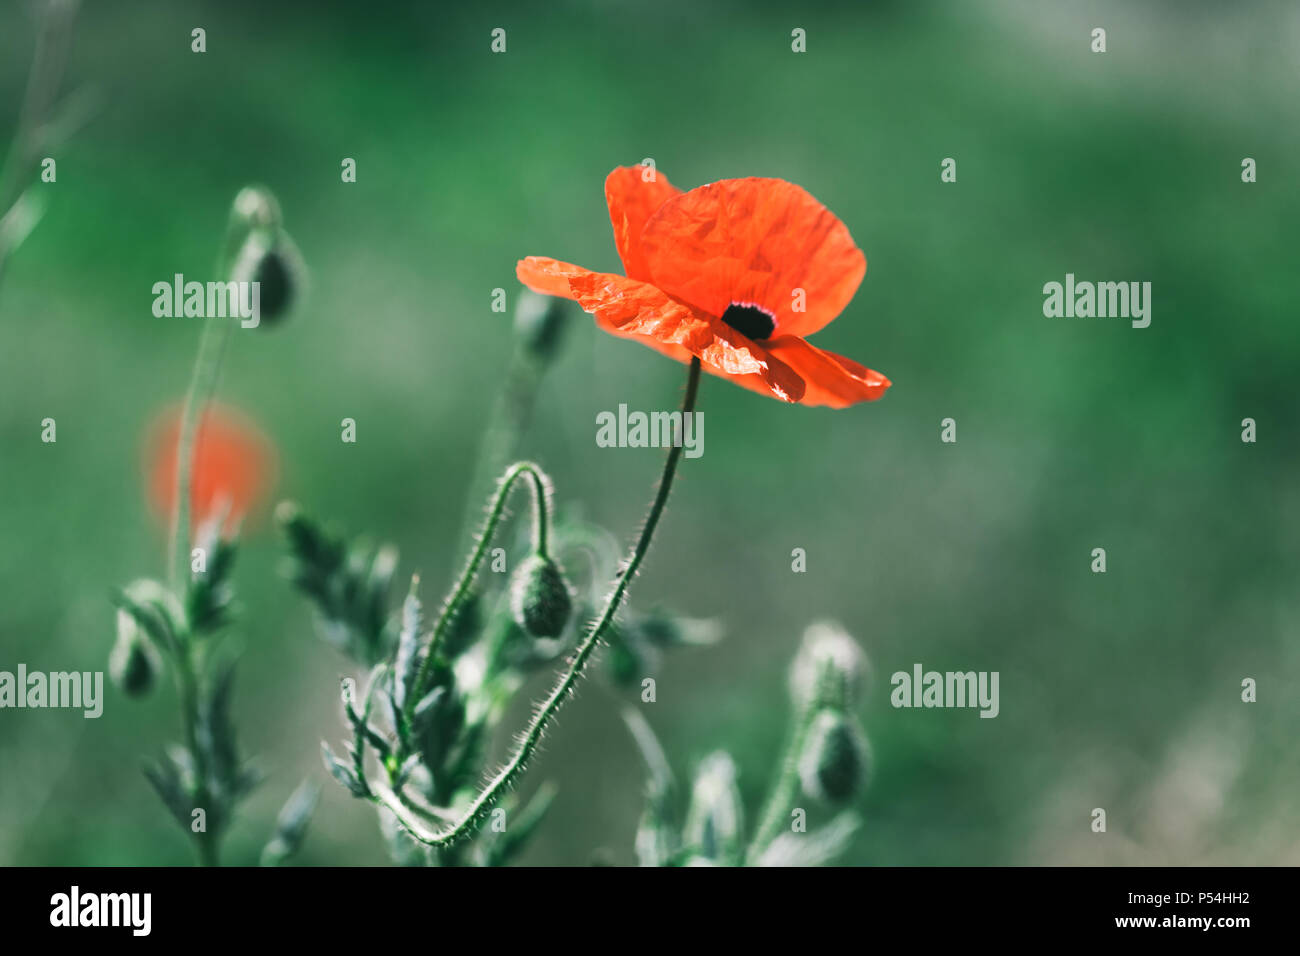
[749, 320]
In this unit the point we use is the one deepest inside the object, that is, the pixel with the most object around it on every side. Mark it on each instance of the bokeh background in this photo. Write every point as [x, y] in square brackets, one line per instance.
[1119, 690]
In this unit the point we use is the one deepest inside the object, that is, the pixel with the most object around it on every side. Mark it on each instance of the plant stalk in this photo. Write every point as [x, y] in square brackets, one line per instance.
[451, 607]
[532, 736]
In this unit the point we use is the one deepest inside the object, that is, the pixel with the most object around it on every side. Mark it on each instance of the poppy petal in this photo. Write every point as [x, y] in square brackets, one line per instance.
[633, 194]
[547, 276]
[755, 241]
[829, 379]
[233, 465]
[643, 312]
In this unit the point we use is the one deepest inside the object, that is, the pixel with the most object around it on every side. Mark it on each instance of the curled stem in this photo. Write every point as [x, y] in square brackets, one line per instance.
[544, 714]
[203, 384]
[496, 511]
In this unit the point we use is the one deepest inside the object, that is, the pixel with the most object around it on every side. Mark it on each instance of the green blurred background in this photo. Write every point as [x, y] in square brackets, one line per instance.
[1119, 691]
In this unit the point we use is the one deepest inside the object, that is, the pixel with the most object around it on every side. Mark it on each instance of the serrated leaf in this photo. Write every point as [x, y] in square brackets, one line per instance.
[209, 597]
[657, 839]
[407, 661]
[342, 772]
[216, 733]
[426, 709]
[815, 848]
[166, 781]
[291, 824]
[405, 770]
[157, 611]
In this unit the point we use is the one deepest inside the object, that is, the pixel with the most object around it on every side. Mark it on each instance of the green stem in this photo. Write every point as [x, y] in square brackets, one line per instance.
[496, 511]
[203, 383]
[205, 845]
[531, 737]
[784, 791]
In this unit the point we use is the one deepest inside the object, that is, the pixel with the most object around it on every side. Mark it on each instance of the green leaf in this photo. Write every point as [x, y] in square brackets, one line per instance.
[815, 848]
[342, 772]
[157, 610]
[210, 597]
[407, 662]
[657, 840]
[167, 781]
[291, 824]
[348, 582]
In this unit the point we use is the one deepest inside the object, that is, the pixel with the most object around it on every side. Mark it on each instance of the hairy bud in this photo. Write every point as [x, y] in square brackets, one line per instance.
[829, 668]
[269, 258]
[835, 759]
[540, 598]
[133, 663]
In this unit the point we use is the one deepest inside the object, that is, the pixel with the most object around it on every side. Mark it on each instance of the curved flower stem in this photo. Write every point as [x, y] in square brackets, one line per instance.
[203, 383]
[496, 510]
[528, 741]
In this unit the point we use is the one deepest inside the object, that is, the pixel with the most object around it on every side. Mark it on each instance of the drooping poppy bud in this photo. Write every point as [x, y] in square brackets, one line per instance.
[133, 664]
[836, 757]
[540, 598]
[258, 249]
[270, 259]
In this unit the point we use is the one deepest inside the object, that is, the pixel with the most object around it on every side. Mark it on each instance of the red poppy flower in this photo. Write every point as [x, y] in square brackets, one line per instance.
[736, 273]
[233, 466]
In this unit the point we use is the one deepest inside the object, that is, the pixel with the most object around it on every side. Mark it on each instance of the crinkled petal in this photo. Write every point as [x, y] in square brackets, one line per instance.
[755, 241]
[829, 379]
[633, 194]
[547, 276]
[641, 311]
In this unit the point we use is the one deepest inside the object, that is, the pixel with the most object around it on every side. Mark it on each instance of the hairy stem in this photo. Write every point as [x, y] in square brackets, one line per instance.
[496, 511]
[532, 736]
[779, 802]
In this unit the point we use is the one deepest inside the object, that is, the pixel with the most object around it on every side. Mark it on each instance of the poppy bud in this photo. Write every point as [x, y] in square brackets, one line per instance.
[255, 207]
[133, 663]
[540, 598]
[715, 819]
[539, 323]
[835, 759]
[829, 668]
[269, 258]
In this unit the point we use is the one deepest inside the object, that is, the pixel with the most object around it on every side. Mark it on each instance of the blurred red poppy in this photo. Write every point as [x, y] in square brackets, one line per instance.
[234, 466]
[735, 273]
